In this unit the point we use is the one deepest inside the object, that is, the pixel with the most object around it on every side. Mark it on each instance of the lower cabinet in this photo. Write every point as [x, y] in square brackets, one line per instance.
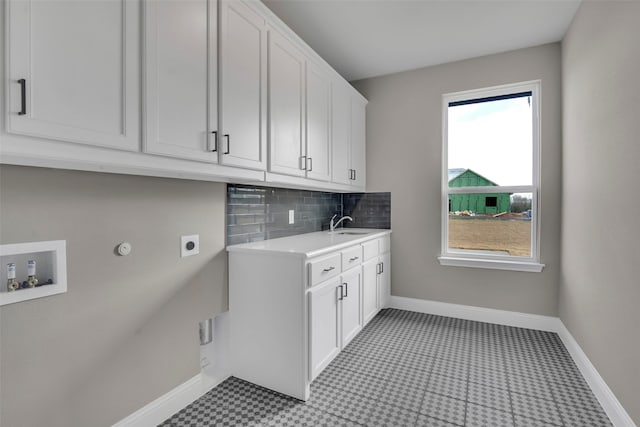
[351, 320]
[291, 314]
[370, 289]
[334, 318]
[324, 324]
[376, 277]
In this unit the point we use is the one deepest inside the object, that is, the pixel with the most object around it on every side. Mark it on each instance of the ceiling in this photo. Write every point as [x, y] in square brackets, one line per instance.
[366, 38]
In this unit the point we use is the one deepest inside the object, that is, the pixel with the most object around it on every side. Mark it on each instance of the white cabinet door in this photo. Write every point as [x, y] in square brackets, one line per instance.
[358, 140]
[384, 280]
[318, 123]
[369, 290]
[243, 86]
[324, 325]
[341, 135]
[181, 79]
[74, 71]
[351, 314]
[286, 107]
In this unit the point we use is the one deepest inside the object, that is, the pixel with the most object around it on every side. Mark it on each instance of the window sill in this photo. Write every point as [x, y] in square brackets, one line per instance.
[531, 267]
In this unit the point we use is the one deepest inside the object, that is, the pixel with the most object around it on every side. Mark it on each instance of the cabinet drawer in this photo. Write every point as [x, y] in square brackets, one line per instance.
[370, 249]
[323, 269]
[351, 257]
[385, 244]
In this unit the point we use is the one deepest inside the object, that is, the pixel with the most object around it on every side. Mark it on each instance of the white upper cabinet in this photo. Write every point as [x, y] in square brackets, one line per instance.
[243, 86]
[218, 90]
[74, 71]
[181, 79]
[341, 135]
[358, 143]
[348, 137]
[318, 124]
[286, 106]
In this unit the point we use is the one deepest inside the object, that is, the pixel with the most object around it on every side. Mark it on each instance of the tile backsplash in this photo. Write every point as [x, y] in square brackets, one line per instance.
[262, 213]
[368, 210]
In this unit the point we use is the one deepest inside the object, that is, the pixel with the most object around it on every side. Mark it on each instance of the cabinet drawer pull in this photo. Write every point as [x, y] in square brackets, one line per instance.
[303, 163]
[353, 259]
[378, 268]
[23, 97]
[215, 142]
[354, 174]
[226, 135]
[329, 269]
[381, 267]
[310, 167]
[340, 295]
[346, 289]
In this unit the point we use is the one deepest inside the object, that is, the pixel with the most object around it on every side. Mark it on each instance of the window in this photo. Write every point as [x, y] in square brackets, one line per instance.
[490, 178]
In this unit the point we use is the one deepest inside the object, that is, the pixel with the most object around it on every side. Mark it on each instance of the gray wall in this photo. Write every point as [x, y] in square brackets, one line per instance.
[126, 331]
[599, 287]
[404, 152]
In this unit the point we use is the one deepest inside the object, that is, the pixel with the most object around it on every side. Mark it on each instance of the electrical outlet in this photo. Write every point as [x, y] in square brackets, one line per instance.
[292, 218]
[189, 245]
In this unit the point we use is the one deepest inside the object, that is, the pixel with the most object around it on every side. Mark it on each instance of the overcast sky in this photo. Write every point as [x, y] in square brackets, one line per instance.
[493, 139]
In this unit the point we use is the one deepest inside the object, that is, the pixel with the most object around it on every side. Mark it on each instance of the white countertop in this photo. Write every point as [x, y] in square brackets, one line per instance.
[312, 244]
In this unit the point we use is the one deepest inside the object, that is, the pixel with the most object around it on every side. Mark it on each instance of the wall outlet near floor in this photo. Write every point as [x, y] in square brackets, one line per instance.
[204, 362]
[189, 245]
[291, 216]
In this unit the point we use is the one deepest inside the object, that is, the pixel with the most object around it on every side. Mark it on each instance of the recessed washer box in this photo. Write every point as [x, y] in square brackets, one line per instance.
[51, 269]
[189, 245]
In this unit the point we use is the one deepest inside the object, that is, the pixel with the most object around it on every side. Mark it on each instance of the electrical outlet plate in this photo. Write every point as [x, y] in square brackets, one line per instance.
[291, 216]
[189, 245]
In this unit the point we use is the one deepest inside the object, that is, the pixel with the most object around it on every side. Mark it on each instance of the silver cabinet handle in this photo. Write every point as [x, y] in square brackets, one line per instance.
[310, 165]
[341, 294]
[381, 267]
[353, 259]
[329, 269]
[303, 163]
[346, 289]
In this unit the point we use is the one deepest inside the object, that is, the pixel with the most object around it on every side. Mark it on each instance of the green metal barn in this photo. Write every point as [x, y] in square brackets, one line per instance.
[483, 203]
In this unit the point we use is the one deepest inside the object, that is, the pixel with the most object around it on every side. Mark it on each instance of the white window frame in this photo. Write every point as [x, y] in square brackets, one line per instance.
[467, 258]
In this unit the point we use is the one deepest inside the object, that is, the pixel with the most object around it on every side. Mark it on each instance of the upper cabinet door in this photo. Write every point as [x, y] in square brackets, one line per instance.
[341, 135]
[243, 86]
[74, 71]
[181, 79]
[318, 123]
[358, 143]
[286, 106]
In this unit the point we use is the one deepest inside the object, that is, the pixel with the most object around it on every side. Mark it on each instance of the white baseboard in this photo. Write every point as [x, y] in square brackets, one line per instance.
[479, 314]
[168, 404]
[611, 405]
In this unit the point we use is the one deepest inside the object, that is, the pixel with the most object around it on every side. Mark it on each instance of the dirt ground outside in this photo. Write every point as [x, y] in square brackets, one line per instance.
[511, 236]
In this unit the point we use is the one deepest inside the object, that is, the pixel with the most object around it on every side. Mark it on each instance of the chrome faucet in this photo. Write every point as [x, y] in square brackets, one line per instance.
[332, 225]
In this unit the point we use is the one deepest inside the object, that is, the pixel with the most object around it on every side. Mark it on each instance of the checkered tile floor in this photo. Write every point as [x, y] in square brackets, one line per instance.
[412, 369]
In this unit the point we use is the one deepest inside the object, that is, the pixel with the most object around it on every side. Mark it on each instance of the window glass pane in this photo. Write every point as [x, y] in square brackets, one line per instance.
[495, 224]
[490, 142]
